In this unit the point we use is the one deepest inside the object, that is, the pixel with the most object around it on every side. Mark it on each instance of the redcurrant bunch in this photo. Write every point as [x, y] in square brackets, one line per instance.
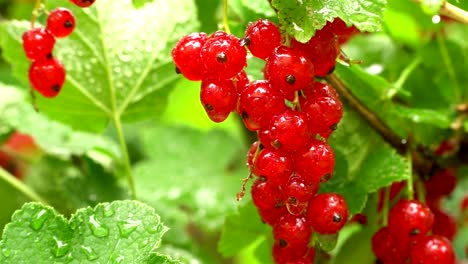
[293, 116]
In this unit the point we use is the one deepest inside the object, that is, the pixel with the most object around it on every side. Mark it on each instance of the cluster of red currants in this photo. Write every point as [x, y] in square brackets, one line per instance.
[46, 73]
[293, 116]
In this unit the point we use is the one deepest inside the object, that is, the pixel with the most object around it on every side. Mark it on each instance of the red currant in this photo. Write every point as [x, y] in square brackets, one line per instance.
[284, 253]
[272, 215]
[219, 98]
[47, 76]
[444, 225]
[262, 37]
[316, 164]
[274, 165]
[266, 194]
[289, 131]
[38, 43]
[186, 56]
[327, 213]
[442, 183]
[61, 22]
[410, 220]
[83, 3]
[293, 229]
[298, 193]
[432, 250]
[387, 248]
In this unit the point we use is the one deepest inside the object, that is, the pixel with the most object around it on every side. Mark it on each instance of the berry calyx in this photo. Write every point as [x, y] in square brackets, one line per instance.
[38, 43]
[61, 22]
[47, 76]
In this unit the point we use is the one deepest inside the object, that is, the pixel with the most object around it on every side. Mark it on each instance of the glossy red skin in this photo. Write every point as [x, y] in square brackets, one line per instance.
[342, 31]
[266, 195]
[263, 37]
[321, 90]
[231, 47]
[322, 50]
[271, 215]
[83, 3]
[289, 131]
[38, 43]
[298, 191]
[186, 56]
[47, 77]
[444, 225]
[408, 216]
[387, 248]
[219, 98]
[288, 254]
[323, 113]
[61, 22]
[293, 229]
[274, 165]
[317, 163]
[322, 209]
[259, 102]
[432, 250]
[441, 184]
[285, 61]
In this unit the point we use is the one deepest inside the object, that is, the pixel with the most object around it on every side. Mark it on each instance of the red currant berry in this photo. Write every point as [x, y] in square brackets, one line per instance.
[38, 43]
[387, 248]
[321, 90]
[47, 77]
[219, 98]
[316, 164]
[271, 215]
[83, 3]
[442, 183]
[410, 220]
[293, 229]
[289, 70]
[323, 113]
[298, 193]
[284, 253]
[223, 56]
[327, 213]
[186, 56]
[265, 194]
[61, 22]
[343, 32]
[444, 225]
[259, 102]
[289, 131]
[262, 37]
[432, 250]
[274, 165]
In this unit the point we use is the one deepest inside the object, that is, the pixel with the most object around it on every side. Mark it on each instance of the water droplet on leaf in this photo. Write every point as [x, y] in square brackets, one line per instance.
[97, 228]
[38, 219]
[126, 227]
[61, 248]
[6, 252]
[89, 252]
[108, 211]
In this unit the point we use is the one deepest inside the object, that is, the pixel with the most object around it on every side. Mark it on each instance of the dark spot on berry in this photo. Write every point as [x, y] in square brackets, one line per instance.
[337, 218]
[208, 107]
[245, 115]
[177, 70]
[262, 178]
[290, 79]
[283, 243]
[245, 41]
[276, 144]
[415, 232]
[222, 57]
[331, 70]
[49, 56]
[378, 261]
[292, 200]
[68, 24]
[55, 88]
[334, 127]
[260, 146]
[326, 177]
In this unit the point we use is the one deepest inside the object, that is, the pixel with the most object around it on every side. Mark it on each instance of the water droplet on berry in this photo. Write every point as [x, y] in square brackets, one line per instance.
[127, 227]
[61, 248]
[38, 219]
[89, 252]
[96, 228]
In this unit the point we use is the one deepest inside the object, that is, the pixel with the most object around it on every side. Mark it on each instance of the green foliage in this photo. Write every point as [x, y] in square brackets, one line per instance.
[301, 18]
[114, 69]
[121, 232]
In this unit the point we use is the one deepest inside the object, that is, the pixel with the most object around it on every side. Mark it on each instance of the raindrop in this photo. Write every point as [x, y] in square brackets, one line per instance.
[38, 219]
[127, 227]
[96, 228]
[108, 211]
[117, 259]
[61, 248]
[143, 244]
[89, 252]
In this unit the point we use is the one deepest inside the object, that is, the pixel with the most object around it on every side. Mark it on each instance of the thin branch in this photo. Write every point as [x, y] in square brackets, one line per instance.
[454, 13]
[421, 163]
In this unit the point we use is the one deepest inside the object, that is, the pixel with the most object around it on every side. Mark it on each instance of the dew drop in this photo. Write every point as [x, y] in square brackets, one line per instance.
[89, 252]
[96, 228]
[127, 227]
[117, 259]
[61, 248]
[38, 219]
[6, 252]
[143, 244]
[108, 211]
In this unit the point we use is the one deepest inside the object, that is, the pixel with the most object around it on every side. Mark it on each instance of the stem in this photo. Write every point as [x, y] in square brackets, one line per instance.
[404, 75]
[448, 64]
[20, 186]
[454, 13]
[225, 17]
[386, 206]
[409, 183]
[126, 158]
[35, 12]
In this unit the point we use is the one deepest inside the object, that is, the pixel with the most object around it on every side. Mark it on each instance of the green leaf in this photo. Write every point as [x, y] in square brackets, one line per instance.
[117, 60]
[301, 18]
[198, 171]
[156, 258]
[53, 137]
[241, 229]
[119, 232]
[358, 248]
[364, 162]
